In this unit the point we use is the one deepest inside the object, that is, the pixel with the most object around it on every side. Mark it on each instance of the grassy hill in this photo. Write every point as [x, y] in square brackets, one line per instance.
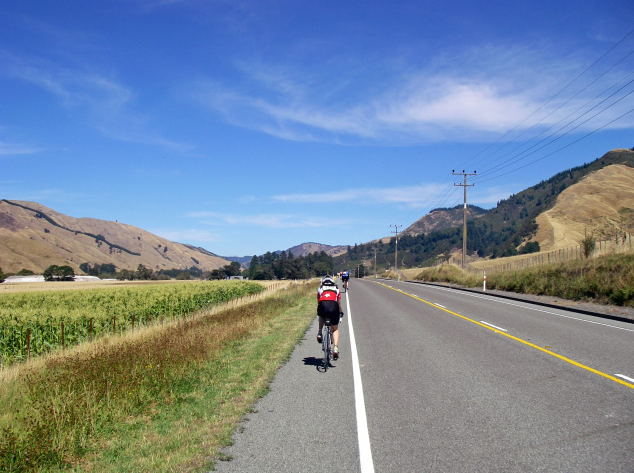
[34, 237]
[441, 219]
[515, 222]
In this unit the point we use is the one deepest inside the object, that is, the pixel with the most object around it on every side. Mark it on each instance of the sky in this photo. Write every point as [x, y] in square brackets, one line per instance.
[251, 126]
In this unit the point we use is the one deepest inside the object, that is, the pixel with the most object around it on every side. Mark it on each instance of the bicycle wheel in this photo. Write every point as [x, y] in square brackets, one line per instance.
[327, 348]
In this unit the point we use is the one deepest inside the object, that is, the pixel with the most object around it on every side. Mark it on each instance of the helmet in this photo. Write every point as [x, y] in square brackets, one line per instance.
[327, 281]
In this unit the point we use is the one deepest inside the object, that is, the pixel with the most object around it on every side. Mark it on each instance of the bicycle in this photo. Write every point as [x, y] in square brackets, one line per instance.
[326, 344]
[345, 285]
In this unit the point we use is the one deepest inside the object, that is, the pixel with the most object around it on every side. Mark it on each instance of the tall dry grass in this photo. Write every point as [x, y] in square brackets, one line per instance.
[54, 408]
[605, 280]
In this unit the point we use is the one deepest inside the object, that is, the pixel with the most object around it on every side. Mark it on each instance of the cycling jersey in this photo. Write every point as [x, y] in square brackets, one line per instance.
[328, 293]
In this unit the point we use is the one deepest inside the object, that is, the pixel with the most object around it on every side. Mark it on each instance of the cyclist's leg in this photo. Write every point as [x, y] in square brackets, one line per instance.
[335, 341]
[335, 334]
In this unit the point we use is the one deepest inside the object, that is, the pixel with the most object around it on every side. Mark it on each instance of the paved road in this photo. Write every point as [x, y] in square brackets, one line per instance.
[452, 381]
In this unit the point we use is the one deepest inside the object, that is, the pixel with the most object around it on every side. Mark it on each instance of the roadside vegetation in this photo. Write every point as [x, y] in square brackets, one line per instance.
[604, 280]
[33, 323]
[163, 399]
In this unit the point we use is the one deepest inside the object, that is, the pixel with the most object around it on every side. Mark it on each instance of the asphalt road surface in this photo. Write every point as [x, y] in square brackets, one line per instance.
[437, 380]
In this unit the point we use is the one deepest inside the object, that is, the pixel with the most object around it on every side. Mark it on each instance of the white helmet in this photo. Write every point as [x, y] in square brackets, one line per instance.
[327, 281]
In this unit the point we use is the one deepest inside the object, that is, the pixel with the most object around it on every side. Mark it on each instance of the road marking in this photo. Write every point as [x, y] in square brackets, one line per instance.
[532, 345]
[365, 452]
[491, 325]
[526, 306]
[441, 306]
[624, 377]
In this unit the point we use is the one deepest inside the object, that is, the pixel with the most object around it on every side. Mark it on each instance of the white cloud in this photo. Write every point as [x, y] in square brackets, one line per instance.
[108, 105]
[13, 149]
[411, 195]
[268, 220]
[473, 95]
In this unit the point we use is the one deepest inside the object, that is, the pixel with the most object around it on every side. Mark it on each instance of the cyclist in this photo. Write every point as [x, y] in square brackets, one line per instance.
[345, 275]
[328, 307]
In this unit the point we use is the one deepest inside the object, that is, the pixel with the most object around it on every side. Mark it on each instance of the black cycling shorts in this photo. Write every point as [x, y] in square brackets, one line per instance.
[329, 310]
[345, 278]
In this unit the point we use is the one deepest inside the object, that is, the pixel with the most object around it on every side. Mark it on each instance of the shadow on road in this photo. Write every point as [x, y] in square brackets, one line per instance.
[318, 363]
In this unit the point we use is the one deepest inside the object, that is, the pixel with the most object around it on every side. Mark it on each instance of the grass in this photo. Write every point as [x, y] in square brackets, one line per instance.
[604, 280]
[166, 399]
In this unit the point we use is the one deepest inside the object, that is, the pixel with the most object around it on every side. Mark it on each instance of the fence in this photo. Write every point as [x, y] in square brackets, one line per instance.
[603, 247]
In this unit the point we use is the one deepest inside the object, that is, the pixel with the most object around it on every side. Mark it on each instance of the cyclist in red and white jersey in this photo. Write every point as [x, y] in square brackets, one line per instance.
[329, 307]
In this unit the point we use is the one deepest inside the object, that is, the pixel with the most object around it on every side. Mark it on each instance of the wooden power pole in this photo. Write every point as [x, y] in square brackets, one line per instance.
[464, 213]
[396, 227]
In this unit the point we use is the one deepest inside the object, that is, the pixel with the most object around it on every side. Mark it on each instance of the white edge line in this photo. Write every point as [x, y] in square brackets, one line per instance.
[440, 305]
[527, 305]
[365, 452]
[625, 377]
[494, 326]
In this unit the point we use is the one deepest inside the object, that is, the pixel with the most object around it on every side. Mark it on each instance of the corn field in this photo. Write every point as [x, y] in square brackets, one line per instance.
[34, 323]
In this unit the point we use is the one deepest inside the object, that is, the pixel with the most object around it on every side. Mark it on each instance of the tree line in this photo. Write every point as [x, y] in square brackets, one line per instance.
[284, 265]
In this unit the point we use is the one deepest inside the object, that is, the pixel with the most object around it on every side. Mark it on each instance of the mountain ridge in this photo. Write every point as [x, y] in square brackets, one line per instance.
[34, 237]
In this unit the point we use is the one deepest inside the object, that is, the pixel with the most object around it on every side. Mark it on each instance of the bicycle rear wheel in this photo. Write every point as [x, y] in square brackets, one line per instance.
[327, 347]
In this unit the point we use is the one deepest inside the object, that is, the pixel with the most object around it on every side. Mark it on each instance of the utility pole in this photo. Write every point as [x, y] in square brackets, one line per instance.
[396, 227]
[375, 263]
[464, 213]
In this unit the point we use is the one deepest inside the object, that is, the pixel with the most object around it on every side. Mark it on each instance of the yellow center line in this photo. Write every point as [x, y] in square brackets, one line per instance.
[532, 345]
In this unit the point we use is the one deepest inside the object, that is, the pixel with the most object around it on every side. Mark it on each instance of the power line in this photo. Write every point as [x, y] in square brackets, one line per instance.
[554, 96]
[563, 147]
[512, 160]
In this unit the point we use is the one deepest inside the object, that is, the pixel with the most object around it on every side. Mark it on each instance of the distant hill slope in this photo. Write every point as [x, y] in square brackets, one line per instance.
[298, 250]
[34, 237]
[441, 219]
[514, 221]
[584, 206]
[307, 248]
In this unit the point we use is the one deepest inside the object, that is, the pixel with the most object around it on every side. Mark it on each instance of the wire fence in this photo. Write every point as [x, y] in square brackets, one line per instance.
[623, 244]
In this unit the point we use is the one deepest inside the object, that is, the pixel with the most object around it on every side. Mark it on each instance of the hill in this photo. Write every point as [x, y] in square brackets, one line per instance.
[515, 222]
[299, 250]
[441, 219]
[307, 248]
[584, 207]
[34, 237]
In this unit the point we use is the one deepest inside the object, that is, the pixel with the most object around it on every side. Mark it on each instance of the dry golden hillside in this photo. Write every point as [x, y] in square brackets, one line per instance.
[34, 237]
[607, 193]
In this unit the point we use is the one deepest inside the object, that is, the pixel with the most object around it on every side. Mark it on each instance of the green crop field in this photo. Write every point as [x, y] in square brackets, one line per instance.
[33, 323]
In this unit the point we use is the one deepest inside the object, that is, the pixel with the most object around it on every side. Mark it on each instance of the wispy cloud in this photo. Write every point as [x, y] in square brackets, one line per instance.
[268, 220]
[410, 195]
[471, 95]
[108, 105]
[14, 149]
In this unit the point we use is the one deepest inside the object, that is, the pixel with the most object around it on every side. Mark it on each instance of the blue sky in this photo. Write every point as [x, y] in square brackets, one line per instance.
[253, 126]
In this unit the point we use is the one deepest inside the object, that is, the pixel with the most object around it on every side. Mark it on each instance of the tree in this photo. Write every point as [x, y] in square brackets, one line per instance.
[107, 268]
[232, 269]
[143, 273]
[59, 273]
[588, 244]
